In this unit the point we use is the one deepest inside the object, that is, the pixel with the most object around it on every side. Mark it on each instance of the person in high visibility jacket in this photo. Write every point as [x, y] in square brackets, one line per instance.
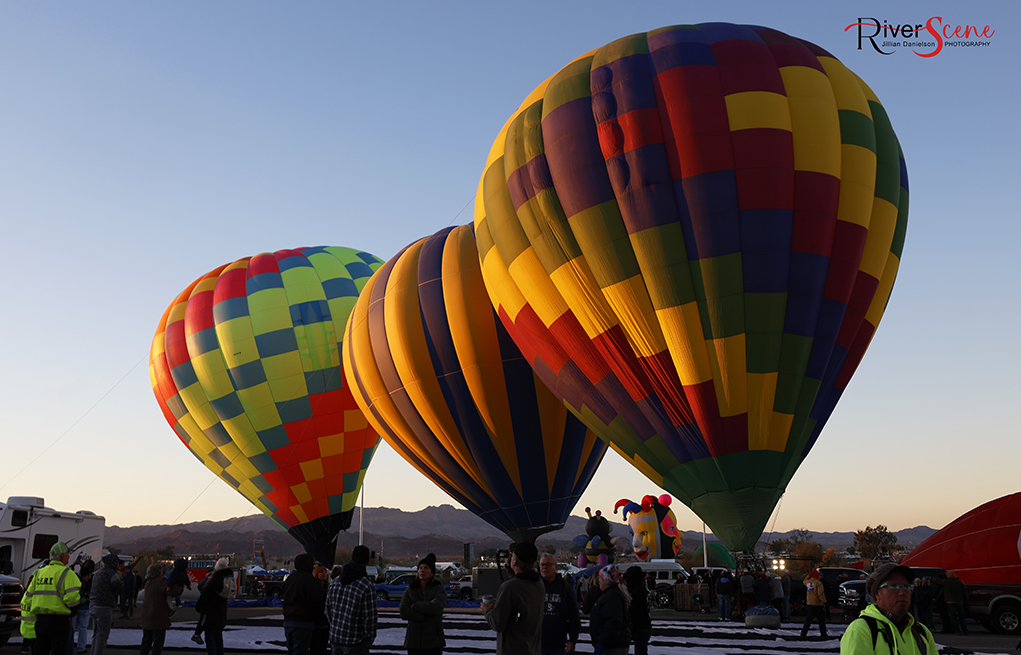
[53, 595]
[27, 629]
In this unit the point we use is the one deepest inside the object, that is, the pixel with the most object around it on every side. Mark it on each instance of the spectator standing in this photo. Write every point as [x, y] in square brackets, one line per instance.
[611, 615]
[747, 582]
[53, 595]
[129, 590]
[762, 592]
[516, 613]
[155, 610]
[560, 620]
[106, 589]
[80, 620]
[785, 580]
[776, 594]
[886, 626]
[178, 579]
[922, 599]
[351, 607]
[321, 636]
[956, 597]
[641, 620]
[592, 594]
[212, 603]
[422, 607]
[725, 594]
[304, 603]
[815, 604]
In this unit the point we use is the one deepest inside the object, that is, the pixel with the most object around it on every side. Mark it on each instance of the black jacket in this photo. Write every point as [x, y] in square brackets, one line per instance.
[560, 620]
[610, 620]
[304, 598]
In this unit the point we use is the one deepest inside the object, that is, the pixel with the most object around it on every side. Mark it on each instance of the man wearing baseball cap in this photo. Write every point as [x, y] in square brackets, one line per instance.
[53, 594]
[886, 626]
[516, 613]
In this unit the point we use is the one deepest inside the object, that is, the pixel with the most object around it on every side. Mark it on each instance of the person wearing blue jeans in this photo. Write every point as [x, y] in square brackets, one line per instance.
[725, 594]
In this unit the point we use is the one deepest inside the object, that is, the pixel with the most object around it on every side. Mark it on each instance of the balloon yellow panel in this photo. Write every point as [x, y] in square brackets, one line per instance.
[247, 369]
[707, 220]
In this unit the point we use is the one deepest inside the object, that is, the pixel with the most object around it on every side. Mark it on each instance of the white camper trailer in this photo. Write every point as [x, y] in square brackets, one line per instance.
[28, 528]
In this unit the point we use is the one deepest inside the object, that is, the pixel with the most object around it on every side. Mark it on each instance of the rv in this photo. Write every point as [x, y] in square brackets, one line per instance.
[28, 529]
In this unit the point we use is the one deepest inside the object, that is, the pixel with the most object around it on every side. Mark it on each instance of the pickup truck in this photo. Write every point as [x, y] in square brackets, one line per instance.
[996, 606]
[10, 607]
[466, 591]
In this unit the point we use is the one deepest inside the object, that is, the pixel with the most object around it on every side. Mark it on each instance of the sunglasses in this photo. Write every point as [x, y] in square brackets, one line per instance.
[897, 587]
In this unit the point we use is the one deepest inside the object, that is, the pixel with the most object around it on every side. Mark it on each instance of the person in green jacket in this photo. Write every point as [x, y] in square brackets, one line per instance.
[886, 627]
[422, 607]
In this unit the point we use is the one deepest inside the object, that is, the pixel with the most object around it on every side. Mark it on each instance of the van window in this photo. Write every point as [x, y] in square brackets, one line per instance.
[19, 518]
[6, 555]
[42, 544]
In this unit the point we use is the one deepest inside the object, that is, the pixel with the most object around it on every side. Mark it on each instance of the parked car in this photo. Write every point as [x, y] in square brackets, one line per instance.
[394, 589]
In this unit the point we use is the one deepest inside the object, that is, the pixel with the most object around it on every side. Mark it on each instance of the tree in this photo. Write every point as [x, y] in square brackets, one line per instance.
[795, 538]
[551, 549]
[875, 542]
[831, 558]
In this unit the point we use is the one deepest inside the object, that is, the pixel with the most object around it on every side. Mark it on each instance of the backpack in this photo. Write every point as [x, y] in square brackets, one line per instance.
[917, 630]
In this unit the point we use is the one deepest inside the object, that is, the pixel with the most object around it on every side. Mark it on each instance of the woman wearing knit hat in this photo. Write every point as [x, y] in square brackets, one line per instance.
[609, 621]
[422, 607]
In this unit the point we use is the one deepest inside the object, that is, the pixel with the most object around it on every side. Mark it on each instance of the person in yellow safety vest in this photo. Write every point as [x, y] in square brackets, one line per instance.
[27, 628]
[53, 594]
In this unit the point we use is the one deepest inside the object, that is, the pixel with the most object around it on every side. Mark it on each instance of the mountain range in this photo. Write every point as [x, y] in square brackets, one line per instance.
[398, 534]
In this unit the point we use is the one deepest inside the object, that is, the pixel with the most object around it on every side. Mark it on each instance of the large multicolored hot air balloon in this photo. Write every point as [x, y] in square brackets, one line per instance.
[436, 374]
[707, 220]
[982, 546]
[246, 367]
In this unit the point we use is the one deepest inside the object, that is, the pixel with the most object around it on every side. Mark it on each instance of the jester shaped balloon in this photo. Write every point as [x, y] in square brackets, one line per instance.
[246, 367]
[707, 220]
[653, 527]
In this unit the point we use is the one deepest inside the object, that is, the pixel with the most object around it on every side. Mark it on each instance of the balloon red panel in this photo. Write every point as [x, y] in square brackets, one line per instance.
[982, 546]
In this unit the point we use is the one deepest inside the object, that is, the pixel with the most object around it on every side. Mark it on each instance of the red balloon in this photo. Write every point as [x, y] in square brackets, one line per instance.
[982, 546]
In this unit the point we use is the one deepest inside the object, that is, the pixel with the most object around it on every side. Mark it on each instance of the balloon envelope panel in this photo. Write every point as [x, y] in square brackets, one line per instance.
[246, 367]
[983, 546]
[440, 379]
[708, 219]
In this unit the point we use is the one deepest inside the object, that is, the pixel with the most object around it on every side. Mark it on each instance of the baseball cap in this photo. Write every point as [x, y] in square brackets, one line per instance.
[882, 573]
[59, 548]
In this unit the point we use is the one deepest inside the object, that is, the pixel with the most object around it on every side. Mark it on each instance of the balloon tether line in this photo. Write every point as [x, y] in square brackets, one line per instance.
[769, 539]
[80, 418]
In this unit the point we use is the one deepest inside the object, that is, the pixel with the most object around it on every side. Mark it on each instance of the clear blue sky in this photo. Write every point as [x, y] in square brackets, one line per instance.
[144, 144]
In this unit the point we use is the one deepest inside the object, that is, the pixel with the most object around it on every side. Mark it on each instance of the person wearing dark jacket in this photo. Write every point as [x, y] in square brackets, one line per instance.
[155, 610]
[212, 605]
[80, 621]
[304, 603]
[321, 636]
[641, 621]
[106, 588]
[725, 594]
[516, 613]
[591, 595]
[129, 591]
[422, 607]
[610, 617]
[560, 620]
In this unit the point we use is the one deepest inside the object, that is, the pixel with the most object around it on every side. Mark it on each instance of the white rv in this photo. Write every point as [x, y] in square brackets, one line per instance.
[28, 528]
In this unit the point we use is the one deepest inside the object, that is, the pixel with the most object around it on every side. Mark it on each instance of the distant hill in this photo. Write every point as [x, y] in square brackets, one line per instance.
[441, 530]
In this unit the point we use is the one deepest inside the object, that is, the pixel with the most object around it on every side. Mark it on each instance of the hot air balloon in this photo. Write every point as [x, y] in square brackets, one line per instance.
[437, 376]
[983, 546]
[708, 220]
[246, 367]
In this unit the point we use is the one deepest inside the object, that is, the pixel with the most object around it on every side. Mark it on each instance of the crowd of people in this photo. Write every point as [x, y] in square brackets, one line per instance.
[535, 612]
